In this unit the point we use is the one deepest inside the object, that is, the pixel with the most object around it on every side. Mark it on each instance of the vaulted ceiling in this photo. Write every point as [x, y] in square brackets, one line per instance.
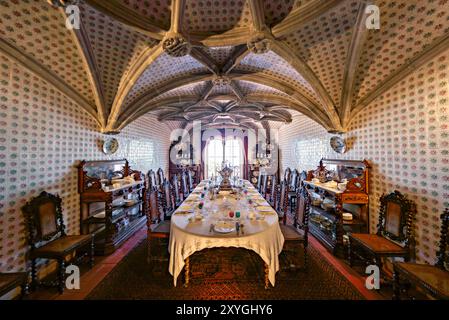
[243, 63]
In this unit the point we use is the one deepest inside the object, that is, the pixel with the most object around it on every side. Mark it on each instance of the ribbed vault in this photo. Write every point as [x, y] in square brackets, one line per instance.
[236, 63]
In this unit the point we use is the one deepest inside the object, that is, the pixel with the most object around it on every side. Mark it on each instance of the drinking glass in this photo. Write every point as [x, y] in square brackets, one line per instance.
[231, 214]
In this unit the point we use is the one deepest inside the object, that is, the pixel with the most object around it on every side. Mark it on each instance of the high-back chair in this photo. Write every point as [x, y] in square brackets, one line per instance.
[298, 231]
[157, 227]
[259, 181]
[287, 175]
[282, 200]
[176, 193]
[184, 185]
[160, 177]
[168, 203]
[292, 186]
[263, 185]
[434, 280]
[190, 177]
[271, 192]
[47, 237]
[394, 232]
[152, 181]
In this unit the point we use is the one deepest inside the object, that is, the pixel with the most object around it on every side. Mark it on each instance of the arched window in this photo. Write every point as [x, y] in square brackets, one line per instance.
[233, 154]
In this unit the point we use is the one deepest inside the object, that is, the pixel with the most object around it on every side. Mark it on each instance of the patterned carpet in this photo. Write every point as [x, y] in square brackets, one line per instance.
[223, 273]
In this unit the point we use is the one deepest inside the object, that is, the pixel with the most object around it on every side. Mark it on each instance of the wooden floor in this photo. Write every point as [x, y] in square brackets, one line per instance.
[103, 265]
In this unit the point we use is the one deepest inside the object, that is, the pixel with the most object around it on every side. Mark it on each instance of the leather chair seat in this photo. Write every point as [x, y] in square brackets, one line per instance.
[291, 233]
[62, 246]
[432, 276]
[377, 243]
[161, 228]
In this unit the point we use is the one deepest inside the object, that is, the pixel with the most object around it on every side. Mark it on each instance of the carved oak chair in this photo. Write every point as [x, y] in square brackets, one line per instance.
[160, 178]
[292, 186]
[168, 203]
[259, 181]
[47, 237]
[271, 194]
[263, 185]
[191, 180]
[11, 280]
[184, 185]
[157, 228]
[394, 231]
[176, 193]
[432, 279]
[298, 231]
[152, 181]
[287, 175]
[282, 200]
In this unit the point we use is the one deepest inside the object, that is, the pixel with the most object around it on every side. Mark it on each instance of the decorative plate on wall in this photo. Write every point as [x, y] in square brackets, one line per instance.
[110, 146]
[338, 144]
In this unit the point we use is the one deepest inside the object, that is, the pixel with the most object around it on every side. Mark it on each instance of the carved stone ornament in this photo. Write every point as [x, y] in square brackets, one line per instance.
[221, 81]
[259, 44]
[176, 45]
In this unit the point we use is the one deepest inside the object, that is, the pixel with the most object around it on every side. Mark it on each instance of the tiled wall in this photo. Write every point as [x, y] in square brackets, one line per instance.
[42, 137]
[404, 134]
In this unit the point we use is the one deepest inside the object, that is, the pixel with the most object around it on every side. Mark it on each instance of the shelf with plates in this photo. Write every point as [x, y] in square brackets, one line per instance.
[111, 202]
[340, 201]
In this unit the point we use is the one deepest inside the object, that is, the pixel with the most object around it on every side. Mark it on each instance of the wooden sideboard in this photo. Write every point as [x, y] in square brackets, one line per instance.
[111, 202]
[326, 222]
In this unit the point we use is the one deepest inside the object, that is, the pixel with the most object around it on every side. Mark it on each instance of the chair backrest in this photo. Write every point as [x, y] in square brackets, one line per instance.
[396, 217]
[152, 212]
[273, 193]
[152, 182]
[287, 175]
[175, 186]
[293, 180]
[167, 197]
[259, 181]
[184, 185]
[160, 176]
[302, 177]
[303, 202]
[43, 215]
[263, 186]
[190, 175]
[282, 198]
[442, 254]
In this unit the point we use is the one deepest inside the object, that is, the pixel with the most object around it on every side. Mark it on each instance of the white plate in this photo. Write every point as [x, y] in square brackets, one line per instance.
[224, 227]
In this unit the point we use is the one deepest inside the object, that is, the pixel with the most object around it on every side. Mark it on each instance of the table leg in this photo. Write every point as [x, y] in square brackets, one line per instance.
[267, 282]
[187, 272]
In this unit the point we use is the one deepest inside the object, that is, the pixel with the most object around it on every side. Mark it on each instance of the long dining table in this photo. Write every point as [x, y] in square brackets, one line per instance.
[194, 229]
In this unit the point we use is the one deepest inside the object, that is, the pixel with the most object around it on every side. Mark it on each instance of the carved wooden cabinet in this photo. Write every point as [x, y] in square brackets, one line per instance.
[337, 187]
[111, 202]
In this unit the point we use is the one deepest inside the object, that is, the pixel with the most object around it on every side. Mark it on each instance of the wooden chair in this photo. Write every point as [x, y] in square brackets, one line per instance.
[263, 185]
[11, 280]
[160, 178]
[287, 175]
[298, 231]
[259, 181]
[292, 187]
[152, 181]
[271, 193]
[394, 231]
[184, 185]
[157, 228]
[168, 203]
[282, 200]
[47, 237]
[191, 184]
[432, 279]
[176, 193]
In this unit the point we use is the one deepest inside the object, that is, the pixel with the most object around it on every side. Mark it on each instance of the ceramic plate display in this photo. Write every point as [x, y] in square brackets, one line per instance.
[110, 146]
[224, 227]
[338, 144]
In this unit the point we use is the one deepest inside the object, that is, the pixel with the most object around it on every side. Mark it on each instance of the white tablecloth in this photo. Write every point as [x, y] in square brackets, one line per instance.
[188, 235]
